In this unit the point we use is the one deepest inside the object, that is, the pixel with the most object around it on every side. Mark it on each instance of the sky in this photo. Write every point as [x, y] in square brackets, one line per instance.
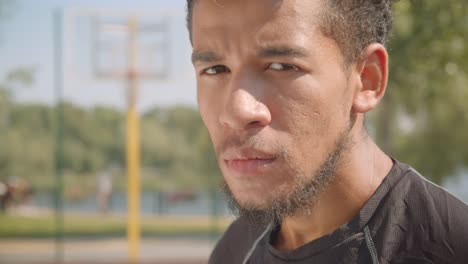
[27, 40]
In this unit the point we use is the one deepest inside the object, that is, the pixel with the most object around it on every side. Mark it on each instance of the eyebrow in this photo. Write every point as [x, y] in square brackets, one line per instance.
[283, 51]
[205, 56]
[268, 52]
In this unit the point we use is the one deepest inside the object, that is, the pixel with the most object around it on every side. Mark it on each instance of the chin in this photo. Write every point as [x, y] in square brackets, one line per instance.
[259, 197]
[253, 201]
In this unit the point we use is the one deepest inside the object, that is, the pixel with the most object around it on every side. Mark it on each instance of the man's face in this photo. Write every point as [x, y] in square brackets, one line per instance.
[272, 92]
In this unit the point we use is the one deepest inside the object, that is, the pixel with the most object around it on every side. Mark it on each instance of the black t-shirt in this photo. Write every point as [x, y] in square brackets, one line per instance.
[407, 220]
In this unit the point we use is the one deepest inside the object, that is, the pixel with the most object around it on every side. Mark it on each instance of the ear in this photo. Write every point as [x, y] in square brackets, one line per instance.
[372, 80]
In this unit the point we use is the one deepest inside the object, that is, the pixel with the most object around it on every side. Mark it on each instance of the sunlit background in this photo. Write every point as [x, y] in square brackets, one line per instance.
[67, 76]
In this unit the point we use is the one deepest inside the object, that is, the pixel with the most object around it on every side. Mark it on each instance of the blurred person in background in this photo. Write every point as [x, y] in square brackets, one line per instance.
[283, 88]
[104, 190]
[15, 192]
[5, 196]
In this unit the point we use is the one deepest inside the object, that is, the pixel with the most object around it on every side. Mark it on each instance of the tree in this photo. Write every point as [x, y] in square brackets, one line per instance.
[424, 117]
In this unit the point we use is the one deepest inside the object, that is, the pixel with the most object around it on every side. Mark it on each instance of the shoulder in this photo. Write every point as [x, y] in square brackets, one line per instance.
[235, 243]
[419, 199]
[419, 220]
[425, 199]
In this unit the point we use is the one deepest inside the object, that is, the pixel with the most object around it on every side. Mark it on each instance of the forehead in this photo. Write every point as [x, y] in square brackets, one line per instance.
[259, 20]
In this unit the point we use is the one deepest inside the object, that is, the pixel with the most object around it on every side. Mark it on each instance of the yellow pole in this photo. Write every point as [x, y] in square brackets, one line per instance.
[133, 150]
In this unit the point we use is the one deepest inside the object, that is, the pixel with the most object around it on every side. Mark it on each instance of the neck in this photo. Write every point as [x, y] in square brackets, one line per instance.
[357, 178]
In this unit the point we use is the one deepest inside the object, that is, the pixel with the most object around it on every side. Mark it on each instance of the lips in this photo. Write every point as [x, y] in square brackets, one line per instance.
[248, 161]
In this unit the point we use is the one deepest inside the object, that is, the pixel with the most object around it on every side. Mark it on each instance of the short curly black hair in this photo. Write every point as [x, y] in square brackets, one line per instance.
[353, 24]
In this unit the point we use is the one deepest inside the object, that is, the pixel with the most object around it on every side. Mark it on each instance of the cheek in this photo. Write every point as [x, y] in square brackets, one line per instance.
[209, 106]
[309, 118]
[205, 109]
[302, 109]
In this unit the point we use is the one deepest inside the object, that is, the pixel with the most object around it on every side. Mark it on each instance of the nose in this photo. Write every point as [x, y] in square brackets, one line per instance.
[243, 108]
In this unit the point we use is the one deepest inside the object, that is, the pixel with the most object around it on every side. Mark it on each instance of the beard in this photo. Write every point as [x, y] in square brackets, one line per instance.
[304, 194]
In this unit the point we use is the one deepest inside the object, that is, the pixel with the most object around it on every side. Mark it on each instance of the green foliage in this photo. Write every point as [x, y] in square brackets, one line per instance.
[174, 148]
[424, 117]
[180, 153]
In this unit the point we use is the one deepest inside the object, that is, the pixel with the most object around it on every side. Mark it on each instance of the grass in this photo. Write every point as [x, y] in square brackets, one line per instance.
[82, 226]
